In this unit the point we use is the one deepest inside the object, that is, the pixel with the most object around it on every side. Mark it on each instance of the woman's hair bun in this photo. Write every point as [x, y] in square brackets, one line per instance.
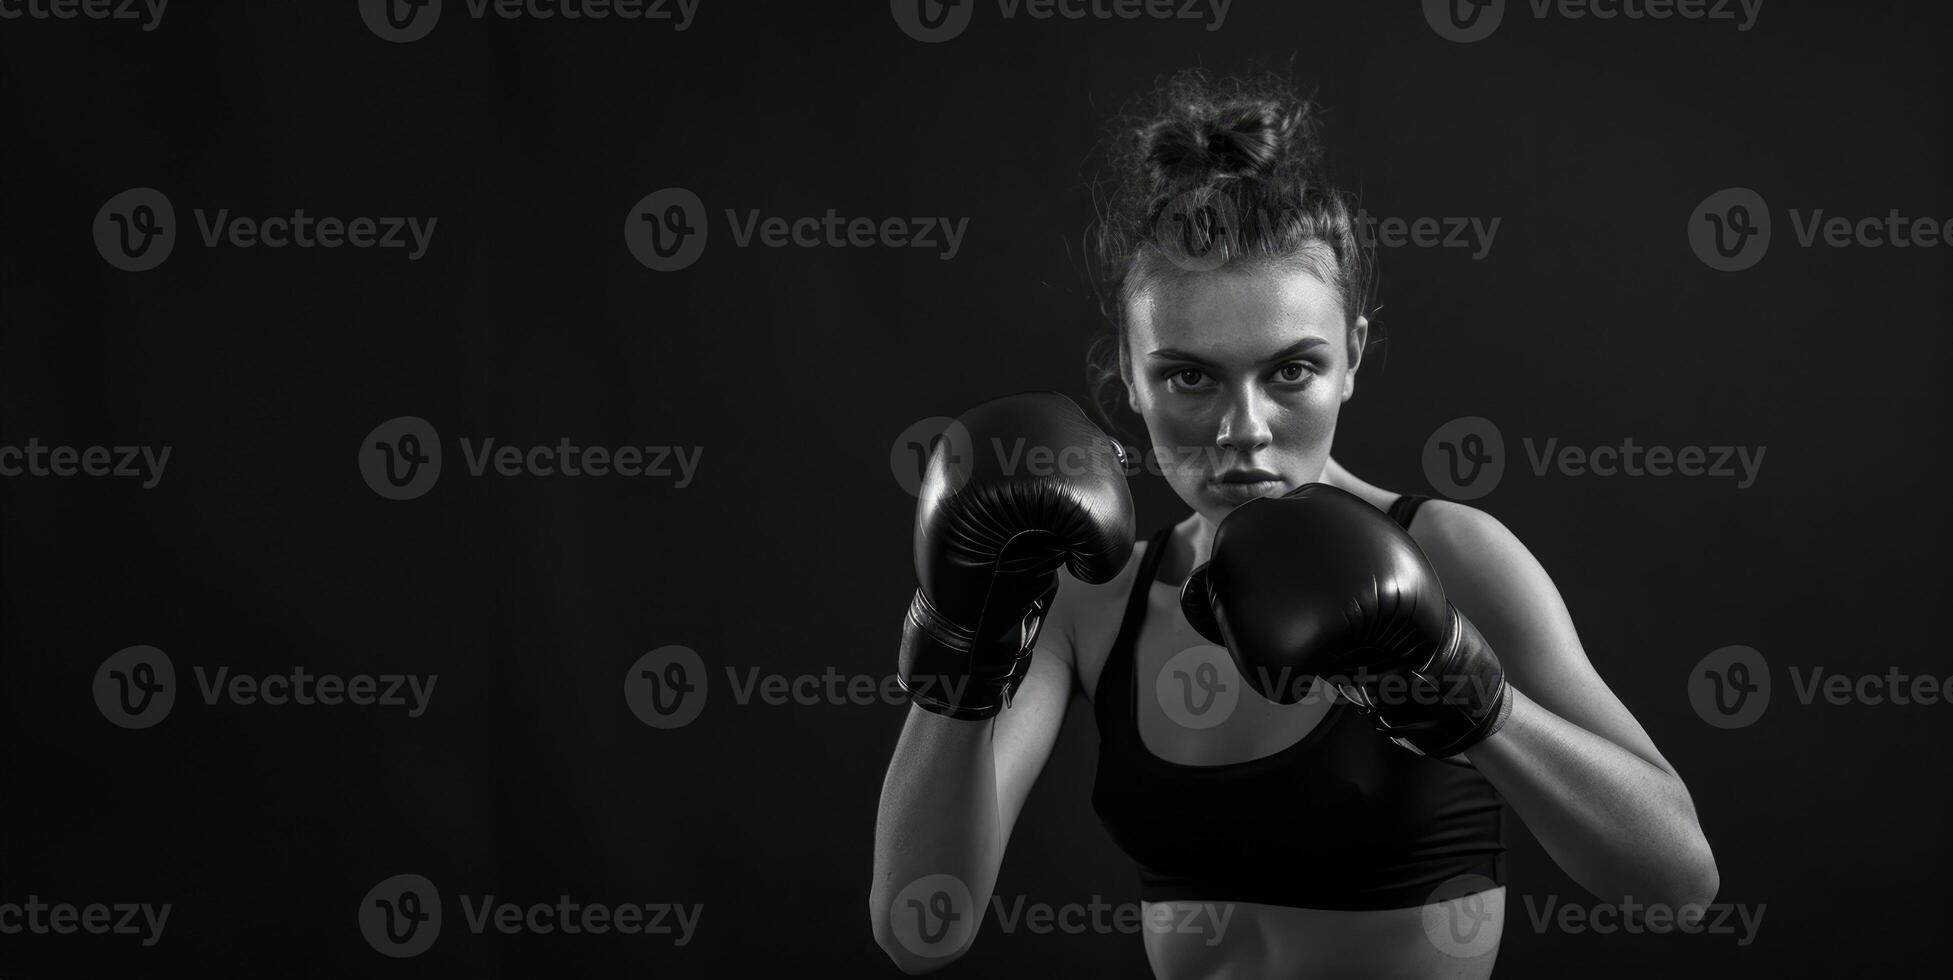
[1207, 135]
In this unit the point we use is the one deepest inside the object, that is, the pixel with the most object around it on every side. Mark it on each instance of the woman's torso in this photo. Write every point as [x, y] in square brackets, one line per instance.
[1197, 769]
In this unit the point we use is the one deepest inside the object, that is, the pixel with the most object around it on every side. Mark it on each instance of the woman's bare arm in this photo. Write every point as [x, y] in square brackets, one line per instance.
[952, 795]
[1572, 760]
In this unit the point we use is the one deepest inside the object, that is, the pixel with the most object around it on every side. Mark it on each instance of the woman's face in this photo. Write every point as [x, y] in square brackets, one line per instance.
[1240, 374]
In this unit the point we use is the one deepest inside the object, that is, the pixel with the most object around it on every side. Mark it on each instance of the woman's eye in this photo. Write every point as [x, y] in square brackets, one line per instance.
[1295, 371]
[1187, 377]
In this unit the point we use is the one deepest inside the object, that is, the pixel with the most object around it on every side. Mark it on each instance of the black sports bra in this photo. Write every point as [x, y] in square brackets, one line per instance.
[1343, 819]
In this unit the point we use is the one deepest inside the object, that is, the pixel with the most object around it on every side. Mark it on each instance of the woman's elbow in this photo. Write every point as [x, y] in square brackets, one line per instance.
[1688, 885]
[910, 952]
[1681, 881]
[1703, 880]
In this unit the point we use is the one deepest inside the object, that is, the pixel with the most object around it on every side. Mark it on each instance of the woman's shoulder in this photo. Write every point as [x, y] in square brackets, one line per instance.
[1484, 566]
[1440, 522]
[1452, 534]
[1454, 527]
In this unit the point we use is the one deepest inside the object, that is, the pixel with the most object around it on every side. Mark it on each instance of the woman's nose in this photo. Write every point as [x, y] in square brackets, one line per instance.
[1245, 427]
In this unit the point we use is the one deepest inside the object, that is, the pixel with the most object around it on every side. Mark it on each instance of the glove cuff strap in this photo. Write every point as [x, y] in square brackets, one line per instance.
[924, 617]
[937, 658]
[1448, 728]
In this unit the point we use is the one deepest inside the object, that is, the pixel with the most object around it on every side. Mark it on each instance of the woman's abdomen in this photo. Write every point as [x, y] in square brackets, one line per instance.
[1453, 940]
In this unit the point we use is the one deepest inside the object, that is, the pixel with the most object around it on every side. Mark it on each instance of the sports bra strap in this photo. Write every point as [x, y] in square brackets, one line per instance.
[1142, 583]
[1404, 508]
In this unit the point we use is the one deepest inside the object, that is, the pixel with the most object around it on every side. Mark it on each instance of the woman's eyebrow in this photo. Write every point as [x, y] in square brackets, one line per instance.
[1174, 354]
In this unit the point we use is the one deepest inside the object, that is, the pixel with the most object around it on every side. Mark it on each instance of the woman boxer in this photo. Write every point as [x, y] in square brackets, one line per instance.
[1344, 811]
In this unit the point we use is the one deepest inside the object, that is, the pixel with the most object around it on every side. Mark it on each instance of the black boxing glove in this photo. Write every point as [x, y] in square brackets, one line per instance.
[1318, 584]
[1015, 489]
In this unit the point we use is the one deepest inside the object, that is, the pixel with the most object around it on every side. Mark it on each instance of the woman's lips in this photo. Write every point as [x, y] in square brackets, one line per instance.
[1238, 491]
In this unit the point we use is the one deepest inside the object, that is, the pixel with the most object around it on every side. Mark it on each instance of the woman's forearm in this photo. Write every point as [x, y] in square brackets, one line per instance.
[1617, 824]
[938, 815]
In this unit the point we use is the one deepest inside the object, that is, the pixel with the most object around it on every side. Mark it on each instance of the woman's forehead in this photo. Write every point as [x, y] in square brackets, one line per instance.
[1234, 312]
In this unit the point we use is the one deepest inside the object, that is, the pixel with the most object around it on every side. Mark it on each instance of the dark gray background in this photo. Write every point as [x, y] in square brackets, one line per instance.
[1591, 320]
